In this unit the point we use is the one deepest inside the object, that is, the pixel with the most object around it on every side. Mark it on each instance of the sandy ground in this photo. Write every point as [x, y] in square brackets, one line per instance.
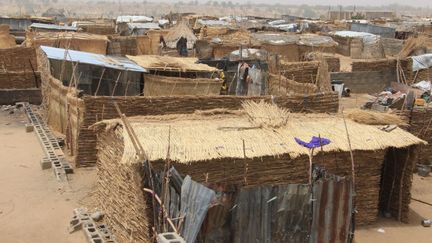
[355, 101]
[395, 232]
[34, 207]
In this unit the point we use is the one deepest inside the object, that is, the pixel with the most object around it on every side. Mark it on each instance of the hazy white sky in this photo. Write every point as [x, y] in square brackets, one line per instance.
[417, 3]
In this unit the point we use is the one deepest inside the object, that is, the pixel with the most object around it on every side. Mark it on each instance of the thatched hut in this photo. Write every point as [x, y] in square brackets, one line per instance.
[178, 31]
[359, 45]
[72, 105]
[6, 39]
[19, 76]
[68, 40]
[178, 76]
[234, 151]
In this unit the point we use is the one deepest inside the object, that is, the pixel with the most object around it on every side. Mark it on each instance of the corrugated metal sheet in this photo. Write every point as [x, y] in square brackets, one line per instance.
[93, 59]
[216, 226]
[52, 27]
[195, 202]
[272, 214]
[332, 210]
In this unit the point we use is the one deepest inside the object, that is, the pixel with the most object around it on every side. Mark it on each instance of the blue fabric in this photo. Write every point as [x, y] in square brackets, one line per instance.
[314, 142]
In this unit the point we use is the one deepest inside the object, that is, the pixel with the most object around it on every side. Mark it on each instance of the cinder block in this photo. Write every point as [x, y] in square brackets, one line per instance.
[169, 237]
[45, 163]
[29, 127]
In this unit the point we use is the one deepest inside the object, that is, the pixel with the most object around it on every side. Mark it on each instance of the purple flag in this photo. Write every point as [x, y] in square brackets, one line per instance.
[314, 142]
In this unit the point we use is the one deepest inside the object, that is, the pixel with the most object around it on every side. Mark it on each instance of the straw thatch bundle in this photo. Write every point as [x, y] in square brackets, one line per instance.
[414, 44]
[178, 31]
[156, 85]
[374, 118]
[266, 115]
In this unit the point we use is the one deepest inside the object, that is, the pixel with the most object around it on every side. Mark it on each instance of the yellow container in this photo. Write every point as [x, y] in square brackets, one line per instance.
[420, 102]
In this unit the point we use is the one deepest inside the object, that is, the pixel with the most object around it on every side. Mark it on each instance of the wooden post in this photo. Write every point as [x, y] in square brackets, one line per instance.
[115, 84]
[100, 79]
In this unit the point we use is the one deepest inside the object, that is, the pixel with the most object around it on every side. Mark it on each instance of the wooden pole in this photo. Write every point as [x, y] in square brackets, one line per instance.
[350, 149]
[142, 156]
[100, 79]
[115, 84]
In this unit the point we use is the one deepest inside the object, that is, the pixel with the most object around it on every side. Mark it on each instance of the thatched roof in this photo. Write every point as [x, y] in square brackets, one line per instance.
[178, 31]
[167, 63]
[264, 130]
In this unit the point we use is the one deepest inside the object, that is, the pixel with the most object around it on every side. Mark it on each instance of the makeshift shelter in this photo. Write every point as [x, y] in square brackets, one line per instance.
[104, 27]
[280, 85]
[284, 45]
[6, 39]
[39, 27]
[150, 43]
[416, 46]
[71, 111]
[230, 68]
[178, 76]
[178, 31]
[95, 74]
[19, 76]
[223, 45]
[133, 19]
[415, 69]
[122, 22]
[294, 47]
[228, 152]
[68, 76]
[141, 28]
[122, 45]
[73, 41]
[19, 25]
[359, 45]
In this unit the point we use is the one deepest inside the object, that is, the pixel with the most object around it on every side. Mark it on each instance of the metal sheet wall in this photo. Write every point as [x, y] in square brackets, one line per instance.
[332, 210]
[272, 214]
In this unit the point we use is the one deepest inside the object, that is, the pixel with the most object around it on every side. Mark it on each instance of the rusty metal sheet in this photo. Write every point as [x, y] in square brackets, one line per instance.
[332, 210]
[195, 202]
[272, 214]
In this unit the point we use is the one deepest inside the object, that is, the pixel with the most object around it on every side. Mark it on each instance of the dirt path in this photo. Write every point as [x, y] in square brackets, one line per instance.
[33, 208]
